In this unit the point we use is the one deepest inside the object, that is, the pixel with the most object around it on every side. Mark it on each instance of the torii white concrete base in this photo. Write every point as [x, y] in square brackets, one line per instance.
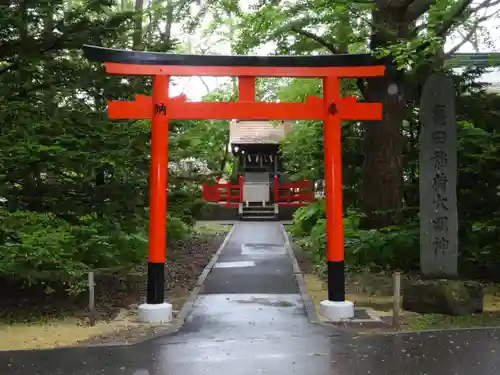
[156, 314]
[336, 311]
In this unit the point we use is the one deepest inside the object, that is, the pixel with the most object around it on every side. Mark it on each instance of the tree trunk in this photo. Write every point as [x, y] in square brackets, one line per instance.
[169, 22]
[154, 20]
[383, 141]
[223, 162]
[382, 168]
[137, 36]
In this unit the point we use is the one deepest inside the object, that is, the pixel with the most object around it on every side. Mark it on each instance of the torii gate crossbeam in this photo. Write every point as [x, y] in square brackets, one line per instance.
[160, 108]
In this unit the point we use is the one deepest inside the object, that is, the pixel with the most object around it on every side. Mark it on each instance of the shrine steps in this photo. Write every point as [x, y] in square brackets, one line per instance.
[258, 213]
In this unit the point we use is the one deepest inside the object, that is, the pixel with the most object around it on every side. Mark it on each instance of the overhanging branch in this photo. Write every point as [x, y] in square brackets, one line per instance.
[417, 29]
[486, 4]
[416, 9]
[360, 82]
[329, 46]
[452, 17]
[467, 37]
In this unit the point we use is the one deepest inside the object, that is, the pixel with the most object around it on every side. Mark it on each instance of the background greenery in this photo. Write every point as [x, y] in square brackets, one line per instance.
[73, 184]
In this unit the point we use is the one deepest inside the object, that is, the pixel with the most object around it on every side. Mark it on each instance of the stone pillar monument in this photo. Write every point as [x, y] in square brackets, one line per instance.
[438, 179]
[439, 292]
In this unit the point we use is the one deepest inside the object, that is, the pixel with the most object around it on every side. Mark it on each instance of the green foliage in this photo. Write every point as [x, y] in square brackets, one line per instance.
[184, 204]
[305, 218]
[408, 54]
[379, 163]
[390, 247]
[74, 184]
[395, 247]
[177, 229]
[282, 23]
[39, 248]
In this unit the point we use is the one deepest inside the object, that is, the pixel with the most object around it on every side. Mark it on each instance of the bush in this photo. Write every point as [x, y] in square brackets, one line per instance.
[177, 229]
[32, 243]
[390, 247]
[39, 247]
[305, 218]
[185, 203]
[383, 249]
[480, 250]
[398, 247]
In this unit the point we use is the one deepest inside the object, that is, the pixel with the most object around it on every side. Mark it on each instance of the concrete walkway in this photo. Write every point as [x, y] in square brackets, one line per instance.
[250, 316]
[250, 320]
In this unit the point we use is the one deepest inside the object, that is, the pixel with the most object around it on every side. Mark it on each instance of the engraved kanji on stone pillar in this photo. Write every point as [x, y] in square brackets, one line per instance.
[438, 179]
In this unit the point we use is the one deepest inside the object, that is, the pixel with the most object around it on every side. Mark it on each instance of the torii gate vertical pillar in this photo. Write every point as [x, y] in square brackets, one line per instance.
[336, 307]
[155, 309]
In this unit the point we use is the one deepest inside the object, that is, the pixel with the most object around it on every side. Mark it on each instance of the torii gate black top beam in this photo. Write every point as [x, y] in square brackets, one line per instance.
[121, 56]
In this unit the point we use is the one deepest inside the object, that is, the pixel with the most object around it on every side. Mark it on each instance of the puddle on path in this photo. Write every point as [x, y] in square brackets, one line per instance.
[267, 302]
[252, 249]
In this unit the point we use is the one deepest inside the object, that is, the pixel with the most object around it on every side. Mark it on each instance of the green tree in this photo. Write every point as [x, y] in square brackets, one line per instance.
[411, 32]
[73, 184]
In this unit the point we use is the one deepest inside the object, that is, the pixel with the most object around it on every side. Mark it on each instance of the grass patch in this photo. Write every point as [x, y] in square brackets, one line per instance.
[436, 321]
[363, 291]
[53, 333]
[211, 227]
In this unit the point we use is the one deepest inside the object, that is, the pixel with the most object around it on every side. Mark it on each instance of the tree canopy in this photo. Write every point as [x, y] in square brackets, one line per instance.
[73, 184]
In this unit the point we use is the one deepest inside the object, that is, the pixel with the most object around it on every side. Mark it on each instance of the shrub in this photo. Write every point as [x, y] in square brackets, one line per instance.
[390, 247]
[305, 218]
[39, 247]
[177, 229]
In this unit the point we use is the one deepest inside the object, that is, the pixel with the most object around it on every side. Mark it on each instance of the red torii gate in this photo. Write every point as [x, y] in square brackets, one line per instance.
[331, 109]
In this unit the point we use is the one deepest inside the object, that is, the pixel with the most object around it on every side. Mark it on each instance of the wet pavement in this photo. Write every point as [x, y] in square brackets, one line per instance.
[250, 320]
[254, 260]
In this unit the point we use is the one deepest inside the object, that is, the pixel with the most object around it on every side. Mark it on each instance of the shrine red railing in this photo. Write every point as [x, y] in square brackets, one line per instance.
[224, 193]
[298, 193]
